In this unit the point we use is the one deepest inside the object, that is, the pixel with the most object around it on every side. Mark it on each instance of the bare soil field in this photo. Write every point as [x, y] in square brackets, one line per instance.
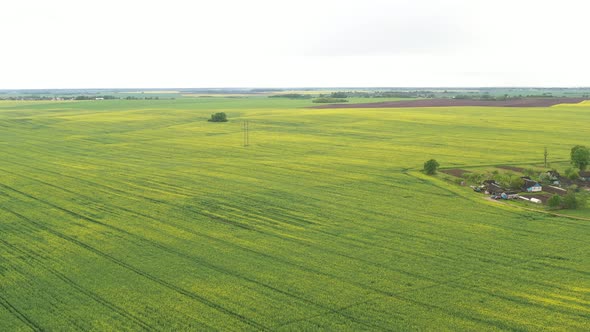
[454, 172]
[526, 102]
[554, 190]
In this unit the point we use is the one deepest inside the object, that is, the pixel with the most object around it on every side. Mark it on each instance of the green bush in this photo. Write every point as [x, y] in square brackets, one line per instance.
[431, 166]
[555, 202]
[516, 183]
[218, 117]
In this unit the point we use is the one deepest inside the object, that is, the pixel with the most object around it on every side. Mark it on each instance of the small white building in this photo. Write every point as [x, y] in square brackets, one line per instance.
[532, 186]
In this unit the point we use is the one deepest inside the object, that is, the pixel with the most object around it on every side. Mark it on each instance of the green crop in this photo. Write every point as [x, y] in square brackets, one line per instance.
[133, 215]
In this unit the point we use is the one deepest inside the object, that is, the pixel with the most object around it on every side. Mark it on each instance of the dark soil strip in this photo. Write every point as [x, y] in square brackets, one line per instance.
[512, 168]
[455, 172]
[542, 198]
[525, 102]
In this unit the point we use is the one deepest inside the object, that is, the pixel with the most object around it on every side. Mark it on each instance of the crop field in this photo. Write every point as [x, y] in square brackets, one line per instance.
[141, 215]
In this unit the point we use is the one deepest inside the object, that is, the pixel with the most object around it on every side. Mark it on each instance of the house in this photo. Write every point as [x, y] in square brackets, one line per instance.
[585, 175]
[531, 186]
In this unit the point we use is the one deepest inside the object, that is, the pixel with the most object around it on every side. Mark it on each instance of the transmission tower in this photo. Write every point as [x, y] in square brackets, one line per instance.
[246, 131]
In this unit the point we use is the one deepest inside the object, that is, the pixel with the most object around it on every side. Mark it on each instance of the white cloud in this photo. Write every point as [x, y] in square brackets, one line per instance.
[175, 43]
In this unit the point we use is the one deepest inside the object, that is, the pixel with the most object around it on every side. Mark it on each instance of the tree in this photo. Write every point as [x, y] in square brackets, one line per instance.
[516, 183]
[580, 157]
[570, 200]
[573, 200]
[554, 202]
[529, 172]
[431, 166]
[218, 117]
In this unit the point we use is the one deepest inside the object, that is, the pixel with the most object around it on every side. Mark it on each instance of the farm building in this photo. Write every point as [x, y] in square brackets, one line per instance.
[531, 186]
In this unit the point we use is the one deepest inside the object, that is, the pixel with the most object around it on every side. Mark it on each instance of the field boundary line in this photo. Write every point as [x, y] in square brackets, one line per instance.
[554, 214]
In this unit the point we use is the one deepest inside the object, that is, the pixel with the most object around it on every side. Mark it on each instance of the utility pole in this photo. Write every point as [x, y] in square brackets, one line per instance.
[546, 154]
[245, 130]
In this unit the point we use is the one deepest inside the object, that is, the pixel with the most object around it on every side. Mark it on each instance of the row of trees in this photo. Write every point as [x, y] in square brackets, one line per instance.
[572, 200]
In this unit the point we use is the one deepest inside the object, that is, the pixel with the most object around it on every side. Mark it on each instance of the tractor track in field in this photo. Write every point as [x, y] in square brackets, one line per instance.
[137, 271]
[218, 218]
[311, 271]
[177, 253]
[428, 286]
[18, 314]
[97, 298]
[128, 266]
[205, 214]
[328, 310]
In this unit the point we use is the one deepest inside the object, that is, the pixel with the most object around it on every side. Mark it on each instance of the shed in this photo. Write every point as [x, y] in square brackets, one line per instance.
[585, 175]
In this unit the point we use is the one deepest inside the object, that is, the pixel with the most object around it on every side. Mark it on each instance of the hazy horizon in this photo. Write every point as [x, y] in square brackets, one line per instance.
[286, 88]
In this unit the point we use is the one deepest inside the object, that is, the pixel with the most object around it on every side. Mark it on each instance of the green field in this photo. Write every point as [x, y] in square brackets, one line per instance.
[141, 215]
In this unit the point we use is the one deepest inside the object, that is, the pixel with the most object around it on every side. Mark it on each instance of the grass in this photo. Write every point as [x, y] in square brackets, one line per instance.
[130, 215]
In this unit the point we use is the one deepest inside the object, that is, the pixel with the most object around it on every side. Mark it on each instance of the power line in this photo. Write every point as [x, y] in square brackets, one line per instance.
[246, 131]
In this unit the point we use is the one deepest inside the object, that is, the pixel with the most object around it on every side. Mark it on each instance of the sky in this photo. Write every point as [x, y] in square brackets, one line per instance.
[303, 43]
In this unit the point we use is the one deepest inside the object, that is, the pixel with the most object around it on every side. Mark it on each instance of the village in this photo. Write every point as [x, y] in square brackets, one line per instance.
[538, 187]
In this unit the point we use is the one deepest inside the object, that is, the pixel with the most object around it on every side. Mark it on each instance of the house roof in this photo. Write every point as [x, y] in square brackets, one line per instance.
[584, 174]
[530, 183]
